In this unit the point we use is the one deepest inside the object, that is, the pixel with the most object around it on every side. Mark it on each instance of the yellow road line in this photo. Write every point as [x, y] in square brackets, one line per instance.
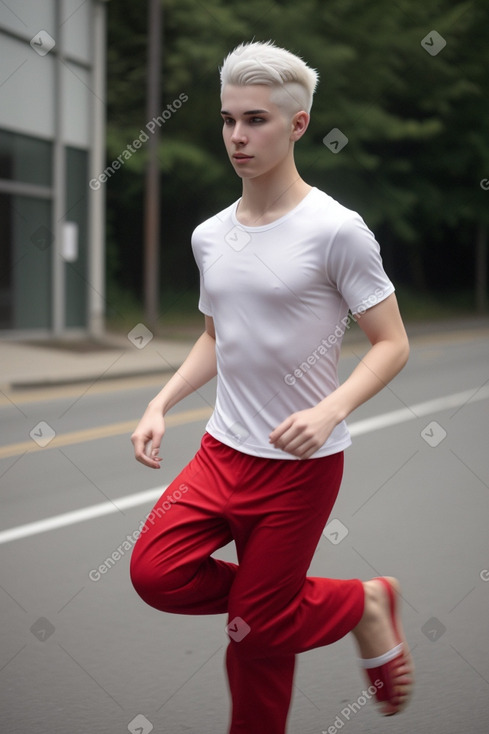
[49, 393]
[92, 434]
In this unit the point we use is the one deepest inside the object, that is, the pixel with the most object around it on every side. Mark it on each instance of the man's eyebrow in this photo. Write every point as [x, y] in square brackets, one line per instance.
[249, 112]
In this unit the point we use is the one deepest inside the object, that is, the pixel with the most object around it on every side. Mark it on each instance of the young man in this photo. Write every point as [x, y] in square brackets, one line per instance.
[280, 268]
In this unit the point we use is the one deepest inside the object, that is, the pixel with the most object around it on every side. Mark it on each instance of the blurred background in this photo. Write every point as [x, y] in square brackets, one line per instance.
[405, 82]
[110, 154]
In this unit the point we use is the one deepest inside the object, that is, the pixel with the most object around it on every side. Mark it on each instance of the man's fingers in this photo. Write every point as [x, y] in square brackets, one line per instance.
[139, 444]
[151, 463]
[279, 431]
[285, 435]
[148, 460]
[152, 447]
[146, 450]
[296, 436]
[296, 447]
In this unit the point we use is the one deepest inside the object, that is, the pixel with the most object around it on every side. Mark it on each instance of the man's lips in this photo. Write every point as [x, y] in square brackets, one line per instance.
[241, 156]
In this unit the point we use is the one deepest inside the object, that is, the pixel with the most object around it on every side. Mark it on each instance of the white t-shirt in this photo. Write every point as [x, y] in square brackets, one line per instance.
[279, 296]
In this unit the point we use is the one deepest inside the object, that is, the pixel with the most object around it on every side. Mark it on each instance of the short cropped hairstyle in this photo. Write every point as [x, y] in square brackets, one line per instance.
[293, 80]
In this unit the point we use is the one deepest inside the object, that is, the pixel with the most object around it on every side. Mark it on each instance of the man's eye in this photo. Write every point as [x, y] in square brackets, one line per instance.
[228, 120]
[257, 120]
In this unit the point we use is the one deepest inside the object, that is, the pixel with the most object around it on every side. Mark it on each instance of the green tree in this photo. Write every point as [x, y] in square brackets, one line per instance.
[414, 114]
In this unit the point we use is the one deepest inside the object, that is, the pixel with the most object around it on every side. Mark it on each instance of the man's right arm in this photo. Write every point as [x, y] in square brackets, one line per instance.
[197, 369]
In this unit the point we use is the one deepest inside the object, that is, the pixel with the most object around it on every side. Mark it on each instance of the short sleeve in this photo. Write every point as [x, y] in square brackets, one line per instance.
[355, 266]
[204, 300]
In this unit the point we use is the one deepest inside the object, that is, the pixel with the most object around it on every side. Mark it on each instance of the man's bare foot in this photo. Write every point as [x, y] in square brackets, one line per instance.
[382, 645]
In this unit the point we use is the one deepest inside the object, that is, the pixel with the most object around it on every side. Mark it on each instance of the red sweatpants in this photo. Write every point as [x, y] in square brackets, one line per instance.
[275, 511]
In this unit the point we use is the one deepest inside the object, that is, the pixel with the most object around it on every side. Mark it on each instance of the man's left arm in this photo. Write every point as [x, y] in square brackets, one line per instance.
[304, 432]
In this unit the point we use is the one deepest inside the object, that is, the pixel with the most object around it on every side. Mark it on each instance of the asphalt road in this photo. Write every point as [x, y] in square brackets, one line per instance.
[81, 653]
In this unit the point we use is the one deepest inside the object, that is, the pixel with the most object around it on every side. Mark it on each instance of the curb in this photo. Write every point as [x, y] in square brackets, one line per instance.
[91, 378]
[435, 333]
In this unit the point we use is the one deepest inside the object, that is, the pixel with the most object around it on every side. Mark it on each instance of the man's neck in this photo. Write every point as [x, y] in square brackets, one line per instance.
[270, 197]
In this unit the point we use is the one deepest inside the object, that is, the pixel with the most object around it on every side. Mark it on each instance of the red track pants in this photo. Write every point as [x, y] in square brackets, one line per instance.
[275, 511]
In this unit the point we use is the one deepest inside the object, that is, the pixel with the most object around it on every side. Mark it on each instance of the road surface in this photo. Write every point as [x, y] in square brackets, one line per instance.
[81, 653]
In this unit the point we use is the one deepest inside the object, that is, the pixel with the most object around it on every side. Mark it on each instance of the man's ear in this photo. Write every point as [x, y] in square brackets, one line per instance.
[299, 125]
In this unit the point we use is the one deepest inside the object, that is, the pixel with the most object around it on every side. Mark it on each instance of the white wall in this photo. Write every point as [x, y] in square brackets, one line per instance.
[27, 89]
[27, 80]
[28, 17]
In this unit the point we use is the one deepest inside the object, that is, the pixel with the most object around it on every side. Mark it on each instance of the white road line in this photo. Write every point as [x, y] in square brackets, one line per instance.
[358, 428]
[86, 513]
[419, 410]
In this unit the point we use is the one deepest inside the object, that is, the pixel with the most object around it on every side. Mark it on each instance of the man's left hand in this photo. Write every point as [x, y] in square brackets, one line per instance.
[303, 433]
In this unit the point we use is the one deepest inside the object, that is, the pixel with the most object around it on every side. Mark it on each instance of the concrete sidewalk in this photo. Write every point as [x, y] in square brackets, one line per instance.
[27, 364]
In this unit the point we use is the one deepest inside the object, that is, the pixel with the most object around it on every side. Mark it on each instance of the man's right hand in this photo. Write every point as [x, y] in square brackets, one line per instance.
[199, 367]
[147, 436]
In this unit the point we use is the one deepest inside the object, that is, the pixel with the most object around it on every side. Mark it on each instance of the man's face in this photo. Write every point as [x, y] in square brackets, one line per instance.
[256, 132]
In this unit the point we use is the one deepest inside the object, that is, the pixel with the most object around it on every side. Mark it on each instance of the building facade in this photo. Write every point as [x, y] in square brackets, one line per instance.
[52, 143]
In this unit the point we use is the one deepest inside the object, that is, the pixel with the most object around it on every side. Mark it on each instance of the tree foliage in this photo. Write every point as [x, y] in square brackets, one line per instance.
[415, 121]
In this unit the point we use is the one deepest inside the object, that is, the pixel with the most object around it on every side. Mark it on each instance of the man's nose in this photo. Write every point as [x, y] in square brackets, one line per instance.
[238, 135]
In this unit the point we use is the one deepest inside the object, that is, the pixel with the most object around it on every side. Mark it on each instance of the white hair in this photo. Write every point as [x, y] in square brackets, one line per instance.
[293, 80]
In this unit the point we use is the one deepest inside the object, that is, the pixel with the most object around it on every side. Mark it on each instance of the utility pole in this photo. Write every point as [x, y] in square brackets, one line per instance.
[481, 268]
[152, 194]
